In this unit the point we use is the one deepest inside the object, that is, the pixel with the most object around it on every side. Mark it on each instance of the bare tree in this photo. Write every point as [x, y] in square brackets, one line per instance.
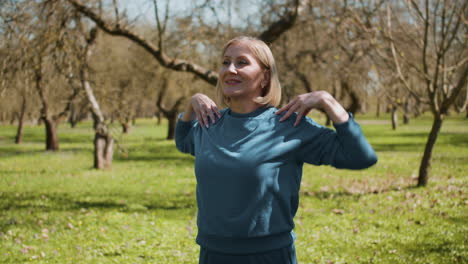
[169, 112]
[14, 69]
[39, 37]
[157, 51]
[103, 139]
[440, 60]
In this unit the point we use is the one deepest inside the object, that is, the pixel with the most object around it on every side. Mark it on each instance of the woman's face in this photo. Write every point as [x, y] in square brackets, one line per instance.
[241, 74]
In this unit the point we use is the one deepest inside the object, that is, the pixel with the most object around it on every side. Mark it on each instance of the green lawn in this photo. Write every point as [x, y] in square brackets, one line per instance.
[54, 208]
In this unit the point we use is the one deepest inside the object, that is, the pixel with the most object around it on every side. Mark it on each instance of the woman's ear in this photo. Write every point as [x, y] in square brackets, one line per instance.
[266, 78]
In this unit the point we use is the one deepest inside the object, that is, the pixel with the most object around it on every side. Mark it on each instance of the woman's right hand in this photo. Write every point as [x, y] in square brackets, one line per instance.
[204, 107]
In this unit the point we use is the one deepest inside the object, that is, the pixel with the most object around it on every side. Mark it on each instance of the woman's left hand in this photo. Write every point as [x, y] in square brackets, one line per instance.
[304, 103]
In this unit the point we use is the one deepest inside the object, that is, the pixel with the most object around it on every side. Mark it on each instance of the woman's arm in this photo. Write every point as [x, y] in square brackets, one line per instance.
[203, 107]
[346, 147]
[303, 103]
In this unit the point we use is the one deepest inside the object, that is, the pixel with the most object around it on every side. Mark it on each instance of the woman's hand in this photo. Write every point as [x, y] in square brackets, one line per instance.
[304, 103]
[204, 107]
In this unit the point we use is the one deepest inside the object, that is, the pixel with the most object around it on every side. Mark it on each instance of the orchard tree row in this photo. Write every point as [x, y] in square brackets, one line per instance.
[70, 60]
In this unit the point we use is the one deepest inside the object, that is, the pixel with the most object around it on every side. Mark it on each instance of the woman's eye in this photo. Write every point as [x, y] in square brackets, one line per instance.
[243, 62]
[225, 62]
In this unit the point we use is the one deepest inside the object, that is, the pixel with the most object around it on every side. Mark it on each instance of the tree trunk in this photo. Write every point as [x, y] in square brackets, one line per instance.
[126, 127]
[52, 142]
[13, 118]
[394, 117]
[426, 159]
[103, 150]
[19, 132]
[355, 104]
[158, 115]
[406, 112]
[377, 111]
[73, 118]
[171, 120]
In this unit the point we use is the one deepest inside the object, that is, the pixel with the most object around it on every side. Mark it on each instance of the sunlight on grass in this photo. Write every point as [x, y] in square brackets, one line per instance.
[54, 208]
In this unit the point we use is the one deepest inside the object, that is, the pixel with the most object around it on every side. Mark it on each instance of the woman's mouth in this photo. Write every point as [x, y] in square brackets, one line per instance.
[232, 81]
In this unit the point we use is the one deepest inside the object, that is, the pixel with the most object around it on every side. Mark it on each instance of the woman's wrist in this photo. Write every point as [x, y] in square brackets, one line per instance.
[334, 110]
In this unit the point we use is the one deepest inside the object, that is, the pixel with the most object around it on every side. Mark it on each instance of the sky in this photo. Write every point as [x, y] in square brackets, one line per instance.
[143, 10]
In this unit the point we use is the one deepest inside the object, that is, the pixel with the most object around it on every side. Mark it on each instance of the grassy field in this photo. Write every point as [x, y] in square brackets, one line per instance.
[54, 208]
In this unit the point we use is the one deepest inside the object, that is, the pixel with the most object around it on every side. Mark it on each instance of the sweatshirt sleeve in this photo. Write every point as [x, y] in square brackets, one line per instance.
[184, 135]
[345, 148]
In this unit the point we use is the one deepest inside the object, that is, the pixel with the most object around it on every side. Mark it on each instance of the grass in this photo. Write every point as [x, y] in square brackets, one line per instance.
[54, 208]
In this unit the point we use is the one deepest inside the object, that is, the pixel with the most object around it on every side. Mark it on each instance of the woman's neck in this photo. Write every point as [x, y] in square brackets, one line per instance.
[243, 106]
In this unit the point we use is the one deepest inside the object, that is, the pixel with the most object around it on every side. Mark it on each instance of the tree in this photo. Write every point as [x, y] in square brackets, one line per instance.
[157, 51]
[437, 31]
[103, 139]
[14, 70]
[37, 34]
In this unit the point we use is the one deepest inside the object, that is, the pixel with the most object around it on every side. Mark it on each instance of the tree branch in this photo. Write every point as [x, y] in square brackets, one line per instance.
[271, 34]
[461, 83]
[284, 24]
[395, 58]
[174, 64]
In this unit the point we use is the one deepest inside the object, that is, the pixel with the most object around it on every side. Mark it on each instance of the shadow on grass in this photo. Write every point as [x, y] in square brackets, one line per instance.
[166, 153]
[14, 151]
[63, 202]
[434, 245]
[32, 136]
[451, 160]
[403, 147]
[446, 138]
[435, 249]
[323, 195]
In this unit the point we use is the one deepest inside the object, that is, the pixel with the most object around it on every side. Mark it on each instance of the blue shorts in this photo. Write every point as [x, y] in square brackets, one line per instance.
[286, 255]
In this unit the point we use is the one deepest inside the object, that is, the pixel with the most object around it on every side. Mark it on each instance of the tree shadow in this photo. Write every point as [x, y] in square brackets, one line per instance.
[398, 147]
[324, 195]
[47, 202]
[167, 153]
[14, 151]
[440, 246]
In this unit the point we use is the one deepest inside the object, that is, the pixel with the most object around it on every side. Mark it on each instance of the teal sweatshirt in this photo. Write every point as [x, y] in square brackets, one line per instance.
[249, 168]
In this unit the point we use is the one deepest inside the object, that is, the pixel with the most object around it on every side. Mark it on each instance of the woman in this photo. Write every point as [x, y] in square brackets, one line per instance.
[249, 156]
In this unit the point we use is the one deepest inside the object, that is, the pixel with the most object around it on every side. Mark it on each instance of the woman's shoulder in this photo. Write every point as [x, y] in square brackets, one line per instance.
[224, 111]
[305, 122]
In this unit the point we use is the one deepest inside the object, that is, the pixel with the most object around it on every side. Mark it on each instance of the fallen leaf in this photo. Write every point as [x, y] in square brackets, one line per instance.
[338, 211]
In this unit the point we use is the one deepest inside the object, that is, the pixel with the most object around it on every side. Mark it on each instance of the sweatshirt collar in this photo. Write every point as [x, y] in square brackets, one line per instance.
[255, 113]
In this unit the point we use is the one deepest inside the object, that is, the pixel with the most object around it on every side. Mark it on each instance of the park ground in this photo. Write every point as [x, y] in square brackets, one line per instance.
[54, 208]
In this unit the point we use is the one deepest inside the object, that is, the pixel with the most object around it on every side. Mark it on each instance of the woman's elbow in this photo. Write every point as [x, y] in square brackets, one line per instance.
[181, 147]
[368, 161]
[371, 160]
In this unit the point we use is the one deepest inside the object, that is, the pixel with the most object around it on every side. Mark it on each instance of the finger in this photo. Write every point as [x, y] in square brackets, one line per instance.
[299, 117]
[290, 112]
[215, 109]
[205, 120]
[286, 107]
[212, 117]
[200, 119]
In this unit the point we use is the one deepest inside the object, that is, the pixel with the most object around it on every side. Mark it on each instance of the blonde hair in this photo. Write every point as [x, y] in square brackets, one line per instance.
[272, 91]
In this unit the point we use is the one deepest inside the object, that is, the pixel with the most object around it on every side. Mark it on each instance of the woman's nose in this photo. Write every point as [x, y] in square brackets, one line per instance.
[232, 68]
